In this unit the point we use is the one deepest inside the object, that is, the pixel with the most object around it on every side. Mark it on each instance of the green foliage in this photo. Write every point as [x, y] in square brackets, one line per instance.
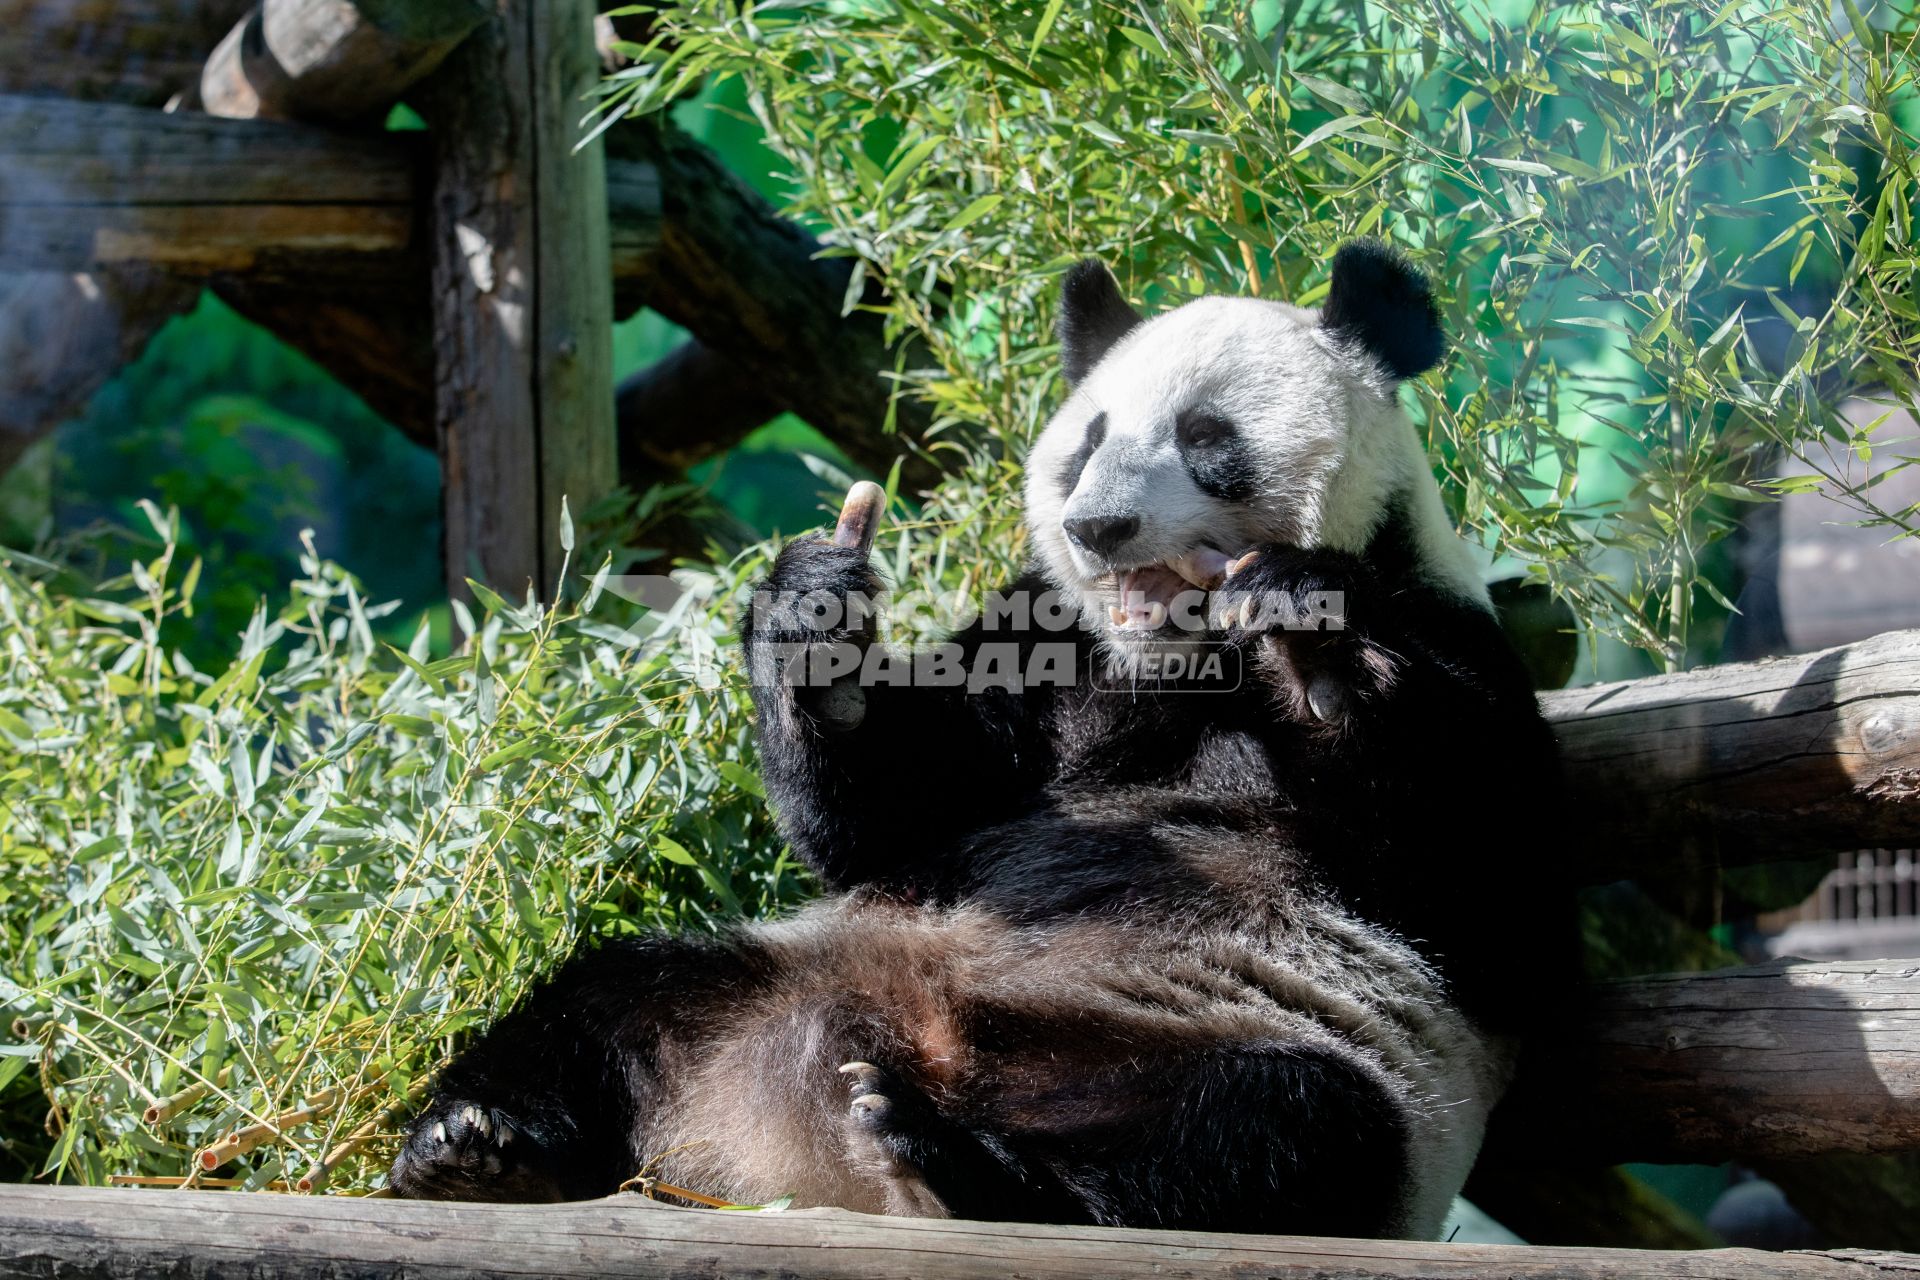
[253, 442]
[309, 873]
[1673, 236]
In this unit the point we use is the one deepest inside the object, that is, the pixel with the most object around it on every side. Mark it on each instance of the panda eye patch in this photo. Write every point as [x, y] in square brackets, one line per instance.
[1201, 428]
[1216, 454]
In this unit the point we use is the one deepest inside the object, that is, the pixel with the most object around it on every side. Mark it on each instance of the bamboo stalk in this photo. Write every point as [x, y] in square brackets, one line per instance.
[241, 1141]
[322, 1169]
[173, 1104]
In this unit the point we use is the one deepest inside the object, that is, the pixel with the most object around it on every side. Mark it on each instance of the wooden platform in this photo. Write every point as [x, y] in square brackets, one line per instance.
[88, 1234]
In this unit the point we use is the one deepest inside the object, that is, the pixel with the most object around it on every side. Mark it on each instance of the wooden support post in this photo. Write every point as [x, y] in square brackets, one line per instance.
[89, 1234]
[523, 307]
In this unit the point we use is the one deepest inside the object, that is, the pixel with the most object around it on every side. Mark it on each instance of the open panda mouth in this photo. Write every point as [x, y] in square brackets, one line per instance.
[1144, 596]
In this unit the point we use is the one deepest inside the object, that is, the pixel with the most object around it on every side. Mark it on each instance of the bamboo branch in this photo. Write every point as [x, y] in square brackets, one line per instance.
[241, 1141]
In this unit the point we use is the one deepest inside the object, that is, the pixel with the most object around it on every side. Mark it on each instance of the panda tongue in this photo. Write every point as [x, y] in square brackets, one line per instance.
[1142, 589]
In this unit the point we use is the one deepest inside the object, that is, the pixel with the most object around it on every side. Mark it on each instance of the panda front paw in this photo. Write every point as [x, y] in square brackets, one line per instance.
[807, 630]
[1293, 612]
[458, 1150]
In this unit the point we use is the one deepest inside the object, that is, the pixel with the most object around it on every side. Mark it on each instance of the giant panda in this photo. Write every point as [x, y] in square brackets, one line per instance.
[1226, 944]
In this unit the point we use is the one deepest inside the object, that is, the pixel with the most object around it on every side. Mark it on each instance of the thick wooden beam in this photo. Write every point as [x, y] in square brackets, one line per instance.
[754, 288]
[90, 185]
[63, 336]
[141, 52]
[687, 406]
[522, 296]
[86, 1234]
[1771, 1062]
[337, 60]
[1749, 762]
[330, 61]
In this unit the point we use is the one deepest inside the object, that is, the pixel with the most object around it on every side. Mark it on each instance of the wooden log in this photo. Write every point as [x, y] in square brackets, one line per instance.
[140, 52]
[96, 1234]
[522, 292]
[684, 408]
[63, 336]
[1775, 1061]
[342, 61]
[86, 185]
[330, 61]
[754, 288]
[1745, 763]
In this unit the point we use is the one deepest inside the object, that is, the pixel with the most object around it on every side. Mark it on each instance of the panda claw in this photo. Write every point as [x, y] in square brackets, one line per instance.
[874, 1104]
[1235, 566]
[440, 1131]
[850, 1068]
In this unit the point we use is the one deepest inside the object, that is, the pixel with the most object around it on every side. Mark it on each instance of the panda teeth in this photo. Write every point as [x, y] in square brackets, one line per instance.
[1116, 615]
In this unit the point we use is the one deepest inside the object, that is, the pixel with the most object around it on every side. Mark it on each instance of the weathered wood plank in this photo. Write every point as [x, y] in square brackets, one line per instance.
[1769, 1062]
[1752, 762]
[86, 185]
[84, 1234]
[756, 290]
[329, 61]
[140, 52]
[521, 293]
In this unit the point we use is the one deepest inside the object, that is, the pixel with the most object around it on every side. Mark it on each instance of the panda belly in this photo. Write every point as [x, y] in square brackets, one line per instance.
[1306, 1079]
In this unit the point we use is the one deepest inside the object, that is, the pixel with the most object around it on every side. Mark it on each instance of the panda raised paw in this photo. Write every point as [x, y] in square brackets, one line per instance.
[1292, 611]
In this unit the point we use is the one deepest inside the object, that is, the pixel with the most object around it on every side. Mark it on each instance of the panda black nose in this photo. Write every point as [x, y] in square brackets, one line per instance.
[1102, 535]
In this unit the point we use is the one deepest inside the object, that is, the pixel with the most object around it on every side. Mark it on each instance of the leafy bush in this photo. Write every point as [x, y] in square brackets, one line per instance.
[227, 893]
[1673, 235]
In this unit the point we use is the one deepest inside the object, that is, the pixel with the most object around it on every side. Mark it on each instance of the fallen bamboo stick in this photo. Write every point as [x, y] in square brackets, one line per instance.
[241, 1141]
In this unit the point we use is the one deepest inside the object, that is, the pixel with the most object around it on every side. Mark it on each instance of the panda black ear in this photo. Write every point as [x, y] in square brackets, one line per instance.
[1381, 301]
[1093, 316]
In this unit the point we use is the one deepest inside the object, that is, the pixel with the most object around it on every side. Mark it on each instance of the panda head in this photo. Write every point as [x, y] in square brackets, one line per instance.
[1232, 423]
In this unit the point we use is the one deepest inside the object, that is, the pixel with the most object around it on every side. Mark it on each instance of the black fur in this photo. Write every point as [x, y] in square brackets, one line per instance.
[1042, 986]
[1093, 316]
[1382, 303]
[1062, 814]
[1216, 455]
[1090, 443]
